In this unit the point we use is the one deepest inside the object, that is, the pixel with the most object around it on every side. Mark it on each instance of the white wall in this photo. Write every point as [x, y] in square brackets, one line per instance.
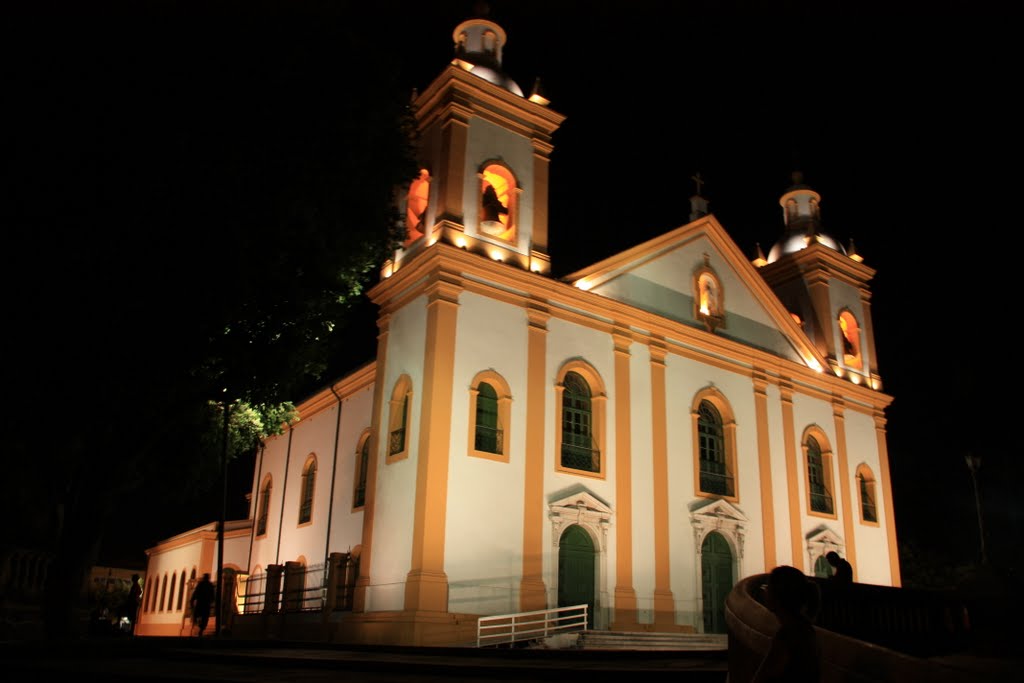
[484, 535]
[396, 480]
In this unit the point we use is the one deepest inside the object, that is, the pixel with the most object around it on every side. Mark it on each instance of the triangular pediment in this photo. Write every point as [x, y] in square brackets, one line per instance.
[824, 536]
[579, 500]
[719, 509]
[661, 276]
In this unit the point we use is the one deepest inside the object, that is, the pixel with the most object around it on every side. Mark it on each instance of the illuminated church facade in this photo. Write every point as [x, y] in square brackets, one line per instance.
[636, 436]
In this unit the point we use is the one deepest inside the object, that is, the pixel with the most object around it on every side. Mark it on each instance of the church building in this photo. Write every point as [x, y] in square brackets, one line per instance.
[635, 437]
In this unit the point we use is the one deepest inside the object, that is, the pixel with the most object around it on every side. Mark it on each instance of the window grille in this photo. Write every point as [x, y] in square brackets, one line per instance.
[578, 451]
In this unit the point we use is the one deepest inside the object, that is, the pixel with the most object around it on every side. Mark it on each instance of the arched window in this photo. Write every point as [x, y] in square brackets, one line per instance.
[489, 406]
[498, 191]
[866, 495]
[578, 448]
[398, 424]
[849, 335]
[170, 592]
[163, 594]
[714, 434]
[362, 463]
[488, 436]
[580, 421]
[264, 508]
[819, 477]
[490, 42]
[714, 474]
[181, 591]
[308, 486]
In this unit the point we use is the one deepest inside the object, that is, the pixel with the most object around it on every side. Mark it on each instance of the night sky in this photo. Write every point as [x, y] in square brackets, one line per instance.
[900, 121]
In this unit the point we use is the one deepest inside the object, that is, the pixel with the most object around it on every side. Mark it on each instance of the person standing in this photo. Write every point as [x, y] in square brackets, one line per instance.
[842, 571]
[201, 601]
[131, 607]
[793, 655]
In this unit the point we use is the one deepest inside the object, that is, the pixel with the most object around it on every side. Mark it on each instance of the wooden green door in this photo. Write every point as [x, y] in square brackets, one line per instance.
[822, 568]
[576, 571]
[716, 580]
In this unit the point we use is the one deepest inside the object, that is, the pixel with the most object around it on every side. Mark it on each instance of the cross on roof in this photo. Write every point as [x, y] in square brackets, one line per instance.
[697, 179]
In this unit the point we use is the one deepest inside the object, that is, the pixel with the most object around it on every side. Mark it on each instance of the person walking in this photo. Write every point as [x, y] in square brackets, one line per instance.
[201, 601]
[794, 655]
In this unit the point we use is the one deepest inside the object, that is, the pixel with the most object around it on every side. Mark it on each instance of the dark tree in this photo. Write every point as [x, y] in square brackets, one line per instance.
[198, 200]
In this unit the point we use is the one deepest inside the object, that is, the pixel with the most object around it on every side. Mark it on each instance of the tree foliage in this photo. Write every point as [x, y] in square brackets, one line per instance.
[193, 220]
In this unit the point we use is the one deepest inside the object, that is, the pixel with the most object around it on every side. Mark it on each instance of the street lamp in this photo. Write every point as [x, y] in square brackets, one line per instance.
[974, 464]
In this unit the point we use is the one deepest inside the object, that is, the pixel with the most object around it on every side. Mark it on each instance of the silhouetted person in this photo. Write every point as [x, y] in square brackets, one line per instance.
[793, 655]
[201, 601]
[131, 605]
[842, 574]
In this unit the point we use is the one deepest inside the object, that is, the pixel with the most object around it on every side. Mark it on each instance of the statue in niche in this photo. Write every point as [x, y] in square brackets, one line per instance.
[416, 206]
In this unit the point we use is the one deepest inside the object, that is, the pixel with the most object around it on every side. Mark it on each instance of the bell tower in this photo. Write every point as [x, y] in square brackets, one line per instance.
[825, 286]
[484, 151]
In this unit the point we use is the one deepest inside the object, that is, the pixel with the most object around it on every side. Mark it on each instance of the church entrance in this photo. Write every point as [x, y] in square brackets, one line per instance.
[576, 570]
[716, 580]
[822, 568]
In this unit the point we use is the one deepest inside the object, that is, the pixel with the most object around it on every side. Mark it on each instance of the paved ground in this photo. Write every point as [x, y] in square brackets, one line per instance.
[172, 659]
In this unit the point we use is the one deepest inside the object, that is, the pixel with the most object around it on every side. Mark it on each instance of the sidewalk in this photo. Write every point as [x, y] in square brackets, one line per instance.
[174, 659]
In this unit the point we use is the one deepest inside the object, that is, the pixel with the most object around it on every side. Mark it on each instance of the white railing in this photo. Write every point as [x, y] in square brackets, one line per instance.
[509, 628]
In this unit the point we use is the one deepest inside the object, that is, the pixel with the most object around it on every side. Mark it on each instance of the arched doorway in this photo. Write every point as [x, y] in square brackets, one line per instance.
[716, 580]
[822, 568]
[576, 570]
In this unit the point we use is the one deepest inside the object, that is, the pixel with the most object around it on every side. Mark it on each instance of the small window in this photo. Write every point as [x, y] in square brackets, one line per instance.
[362, 462]
[398, 423]
[819, 479]
[866, 493]
[181, 591]
[163, 594]
[488, 434]
[398, 432]
[264, 509]
[489, 413]
[170, 593]
[308, 486]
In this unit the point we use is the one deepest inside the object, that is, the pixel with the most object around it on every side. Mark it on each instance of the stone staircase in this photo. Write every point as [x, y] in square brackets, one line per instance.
[643, 640]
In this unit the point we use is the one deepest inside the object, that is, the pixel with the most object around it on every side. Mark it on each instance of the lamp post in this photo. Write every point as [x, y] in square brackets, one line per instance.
[219, 598]
[974, 464]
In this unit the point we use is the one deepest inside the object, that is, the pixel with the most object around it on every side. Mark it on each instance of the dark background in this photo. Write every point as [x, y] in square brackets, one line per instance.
[902, 118]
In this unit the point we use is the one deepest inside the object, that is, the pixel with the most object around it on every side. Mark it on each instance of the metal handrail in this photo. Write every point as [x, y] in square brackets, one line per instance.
[509, 628]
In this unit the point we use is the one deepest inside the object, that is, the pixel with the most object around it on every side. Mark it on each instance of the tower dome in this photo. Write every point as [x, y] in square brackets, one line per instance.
[802, 215]
[478, 46]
